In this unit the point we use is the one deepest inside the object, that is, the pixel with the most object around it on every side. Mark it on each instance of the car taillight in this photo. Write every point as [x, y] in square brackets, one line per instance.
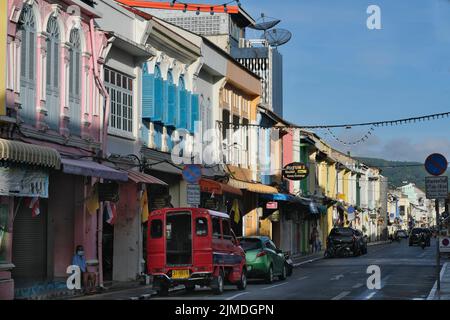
[261, 254]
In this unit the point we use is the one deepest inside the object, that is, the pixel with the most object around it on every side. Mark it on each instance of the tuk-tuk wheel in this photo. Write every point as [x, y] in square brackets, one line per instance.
[242, 284]
[217, 283]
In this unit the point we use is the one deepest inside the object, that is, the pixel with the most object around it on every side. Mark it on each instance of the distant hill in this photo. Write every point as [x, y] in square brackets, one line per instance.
[399, 171]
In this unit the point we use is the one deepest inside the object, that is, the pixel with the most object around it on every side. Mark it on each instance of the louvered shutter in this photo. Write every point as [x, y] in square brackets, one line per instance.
[194, 114]
[145, 132]
[183, 110]
[148, 102]
[171, 119]
[158, 135]
[158, 99]
[165, 116]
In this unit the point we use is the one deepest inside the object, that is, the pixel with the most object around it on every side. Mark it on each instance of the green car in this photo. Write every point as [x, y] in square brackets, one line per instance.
[264, 259]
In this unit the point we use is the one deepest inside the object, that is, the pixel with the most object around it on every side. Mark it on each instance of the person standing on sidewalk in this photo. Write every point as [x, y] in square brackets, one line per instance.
[313, 240]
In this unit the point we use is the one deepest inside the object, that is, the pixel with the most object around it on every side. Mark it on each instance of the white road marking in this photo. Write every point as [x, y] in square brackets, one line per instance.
[358, 285]
[370, 295]
[277, 285]
[302, 278]
[308, 261]
[237, 295]
[341, 295]
[338, 277]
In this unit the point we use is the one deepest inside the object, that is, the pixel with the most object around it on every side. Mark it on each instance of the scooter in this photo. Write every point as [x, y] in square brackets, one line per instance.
[289, 264]
[423, 242]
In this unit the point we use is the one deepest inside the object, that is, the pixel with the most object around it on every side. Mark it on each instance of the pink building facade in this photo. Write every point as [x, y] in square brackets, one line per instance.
[55, 106]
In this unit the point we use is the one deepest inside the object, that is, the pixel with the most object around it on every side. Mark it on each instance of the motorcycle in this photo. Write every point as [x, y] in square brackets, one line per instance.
[423, 242]
[289, 264]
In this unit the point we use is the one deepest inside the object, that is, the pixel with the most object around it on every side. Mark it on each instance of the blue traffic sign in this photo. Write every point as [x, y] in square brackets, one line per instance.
[436, 164]
[192, 173]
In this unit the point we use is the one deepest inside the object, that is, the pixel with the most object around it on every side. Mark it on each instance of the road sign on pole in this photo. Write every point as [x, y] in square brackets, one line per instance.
[192, 173]
[193, 194]
[436, 187]
[436, 164]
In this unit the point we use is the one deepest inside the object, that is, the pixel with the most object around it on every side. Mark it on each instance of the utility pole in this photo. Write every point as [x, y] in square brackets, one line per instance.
[438, 254]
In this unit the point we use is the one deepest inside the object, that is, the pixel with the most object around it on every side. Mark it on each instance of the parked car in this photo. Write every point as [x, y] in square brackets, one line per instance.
[192, 246]
[414, 236]
[344, 241]
[400, 234]
[264, 259]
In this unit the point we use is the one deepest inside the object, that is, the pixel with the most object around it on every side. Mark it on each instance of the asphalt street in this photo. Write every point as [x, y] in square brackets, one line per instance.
[407, 273]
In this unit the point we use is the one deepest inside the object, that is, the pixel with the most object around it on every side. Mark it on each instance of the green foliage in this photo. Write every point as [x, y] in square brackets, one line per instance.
[399, 171]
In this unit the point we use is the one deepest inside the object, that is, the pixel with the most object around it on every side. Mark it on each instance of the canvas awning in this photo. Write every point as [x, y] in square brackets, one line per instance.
[211, 186]
[90, 168]
[140, 177]
[252, 187]
[27, 153]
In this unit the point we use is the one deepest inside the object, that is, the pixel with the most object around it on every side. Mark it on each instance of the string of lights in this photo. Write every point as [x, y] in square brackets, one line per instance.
[352, 143]
[386, 123]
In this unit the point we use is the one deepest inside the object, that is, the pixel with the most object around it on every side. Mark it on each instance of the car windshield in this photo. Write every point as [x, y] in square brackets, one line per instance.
[250, 244]
[346, 232]
[417, 231]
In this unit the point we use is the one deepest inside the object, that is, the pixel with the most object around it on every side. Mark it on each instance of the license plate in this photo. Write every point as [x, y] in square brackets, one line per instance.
[180, 274]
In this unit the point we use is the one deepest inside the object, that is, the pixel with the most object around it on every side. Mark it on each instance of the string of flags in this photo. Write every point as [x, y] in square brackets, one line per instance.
[203, 8]
[355, 142]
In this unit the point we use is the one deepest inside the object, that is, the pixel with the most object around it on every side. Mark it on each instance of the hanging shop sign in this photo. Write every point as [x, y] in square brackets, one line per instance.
[295, 171]
[23, 182]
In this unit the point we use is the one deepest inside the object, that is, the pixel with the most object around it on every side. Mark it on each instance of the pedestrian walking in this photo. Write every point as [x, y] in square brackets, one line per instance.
[313, 240]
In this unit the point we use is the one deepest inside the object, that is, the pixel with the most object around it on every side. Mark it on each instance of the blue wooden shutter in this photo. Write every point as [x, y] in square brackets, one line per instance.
[171, 118]
[194, 114]
[158, 99]
[148, 91]
[183, 110]
[169, 138]
[165, 116]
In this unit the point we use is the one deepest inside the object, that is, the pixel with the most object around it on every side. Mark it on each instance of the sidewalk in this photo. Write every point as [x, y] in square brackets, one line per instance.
[444, 293]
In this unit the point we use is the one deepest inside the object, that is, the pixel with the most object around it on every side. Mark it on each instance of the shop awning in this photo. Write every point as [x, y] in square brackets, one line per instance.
[140, 177]
[211, 186]
[252, 187]
[92, 169]
[21, 152]
[280, 197]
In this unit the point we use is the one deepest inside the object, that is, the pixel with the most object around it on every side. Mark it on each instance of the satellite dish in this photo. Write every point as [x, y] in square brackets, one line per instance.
[277, 37]
[265, 23]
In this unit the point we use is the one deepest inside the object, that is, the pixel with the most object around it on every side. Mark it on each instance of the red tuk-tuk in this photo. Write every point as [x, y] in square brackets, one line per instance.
[192, 246]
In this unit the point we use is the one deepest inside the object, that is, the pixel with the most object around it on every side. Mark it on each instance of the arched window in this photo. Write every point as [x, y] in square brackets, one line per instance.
[52, 83]
[75, 82]
[27, 30]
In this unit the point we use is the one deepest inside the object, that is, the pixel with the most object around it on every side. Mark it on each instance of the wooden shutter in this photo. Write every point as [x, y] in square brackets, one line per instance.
[148, 90]
[165, 115]
[183, 110]
[194, 113]
[171, 119]
[158, 99]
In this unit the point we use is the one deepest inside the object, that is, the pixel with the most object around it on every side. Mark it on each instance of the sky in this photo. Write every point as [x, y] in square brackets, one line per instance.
[337, 71]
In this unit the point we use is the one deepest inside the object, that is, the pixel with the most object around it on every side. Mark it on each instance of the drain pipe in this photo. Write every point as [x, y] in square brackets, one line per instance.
[103, 137]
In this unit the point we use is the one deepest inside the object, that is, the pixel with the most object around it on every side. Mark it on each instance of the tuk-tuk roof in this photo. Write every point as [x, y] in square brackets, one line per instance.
[219, 214]
[211, 212]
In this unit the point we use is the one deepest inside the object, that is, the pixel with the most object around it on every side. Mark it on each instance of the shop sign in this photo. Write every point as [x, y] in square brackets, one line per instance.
[295, 171]
[272, 205]
[23, 182]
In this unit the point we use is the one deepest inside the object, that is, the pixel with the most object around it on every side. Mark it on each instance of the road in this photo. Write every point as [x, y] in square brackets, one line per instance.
[407, 273]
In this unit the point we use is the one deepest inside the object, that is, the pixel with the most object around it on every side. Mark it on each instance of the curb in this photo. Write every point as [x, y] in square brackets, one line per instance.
[432, 294]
